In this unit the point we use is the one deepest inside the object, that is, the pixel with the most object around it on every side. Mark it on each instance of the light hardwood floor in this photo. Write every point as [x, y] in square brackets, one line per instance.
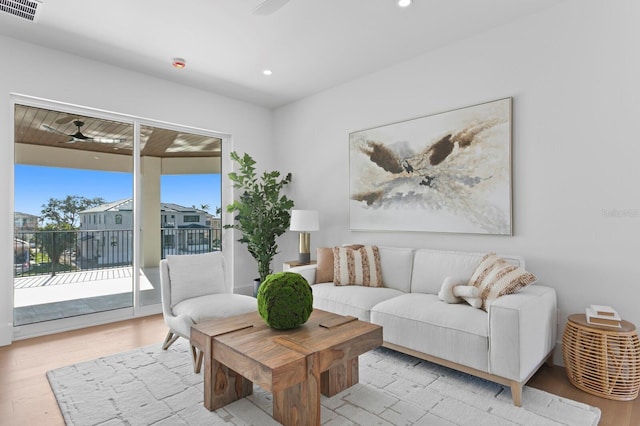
[27, 399]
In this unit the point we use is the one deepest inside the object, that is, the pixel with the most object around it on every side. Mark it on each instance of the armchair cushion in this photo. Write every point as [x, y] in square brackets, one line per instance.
[212, 306]
[196, 275]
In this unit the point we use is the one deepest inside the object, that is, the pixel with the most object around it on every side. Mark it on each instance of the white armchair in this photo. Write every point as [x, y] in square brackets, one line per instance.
[194, 289]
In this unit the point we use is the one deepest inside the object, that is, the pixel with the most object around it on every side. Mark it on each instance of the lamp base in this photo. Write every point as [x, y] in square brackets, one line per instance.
[304, 258]
[304, 248]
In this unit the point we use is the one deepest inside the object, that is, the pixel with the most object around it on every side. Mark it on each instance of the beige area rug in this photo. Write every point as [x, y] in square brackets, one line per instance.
[149, 386]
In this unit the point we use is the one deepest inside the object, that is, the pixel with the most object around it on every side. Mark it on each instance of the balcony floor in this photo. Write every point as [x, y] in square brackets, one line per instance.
[45, 297]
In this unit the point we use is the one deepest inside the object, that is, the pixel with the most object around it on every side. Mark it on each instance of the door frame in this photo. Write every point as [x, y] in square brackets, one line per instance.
[88, 320]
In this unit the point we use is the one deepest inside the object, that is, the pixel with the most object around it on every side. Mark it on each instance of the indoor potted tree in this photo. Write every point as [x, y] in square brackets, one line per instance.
[262, 213]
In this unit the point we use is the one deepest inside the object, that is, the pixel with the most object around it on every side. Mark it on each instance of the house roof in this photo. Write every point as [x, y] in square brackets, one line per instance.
[20, 214]
[120, 205]
[127, 205]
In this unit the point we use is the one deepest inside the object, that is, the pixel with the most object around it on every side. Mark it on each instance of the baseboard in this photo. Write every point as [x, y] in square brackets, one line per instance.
[557, 355]
[247, 290]
[6, 334]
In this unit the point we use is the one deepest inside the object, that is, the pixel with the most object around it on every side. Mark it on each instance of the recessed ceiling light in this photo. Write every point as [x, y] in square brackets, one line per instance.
[178, 63]
[267, 72]
[404, 3]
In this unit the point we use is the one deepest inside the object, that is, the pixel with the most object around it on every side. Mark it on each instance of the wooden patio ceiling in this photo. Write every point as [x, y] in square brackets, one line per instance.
[38, 126]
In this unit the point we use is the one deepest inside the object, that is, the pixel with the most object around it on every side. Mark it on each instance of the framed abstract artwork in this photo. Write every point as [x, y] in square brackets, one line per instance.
[447, 172]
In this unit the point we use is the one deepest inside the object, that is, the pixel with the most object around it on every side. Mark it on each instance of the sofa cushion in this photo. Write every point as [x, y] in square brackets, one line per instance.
[215, 306]
[431, 267]
[396, 264]
[196, 275]
[357, 266]
[495, 277]
[455, 332]
[350, 300]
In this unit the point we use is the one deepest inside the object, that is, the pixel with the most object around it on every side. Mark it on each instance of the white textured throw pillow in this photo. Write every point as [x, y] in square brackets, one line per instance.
[452, 291]
[196, 275]
[496, 277]
[446, 291]
[357, 266]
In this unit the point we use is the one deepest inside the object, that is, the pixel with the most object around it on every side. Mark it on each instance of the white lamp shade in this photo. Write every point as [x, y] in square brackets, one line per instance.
[304, 220]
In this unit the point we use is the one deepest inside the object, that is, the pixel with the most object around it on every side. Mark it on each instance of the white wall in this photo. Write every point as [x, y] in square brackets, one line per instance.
[573, 72]
[58, 76]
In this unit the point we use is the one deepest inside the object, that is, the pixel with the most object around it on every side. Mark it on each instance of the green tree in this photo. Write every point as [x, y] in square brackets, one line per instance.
[66, 211]
[262, 214]
[55, 240]
[204, 207]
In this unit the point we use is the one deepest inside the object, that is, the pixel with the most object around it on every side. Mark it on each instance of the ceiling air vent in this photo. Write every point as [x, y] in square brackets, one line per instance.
[22, 8]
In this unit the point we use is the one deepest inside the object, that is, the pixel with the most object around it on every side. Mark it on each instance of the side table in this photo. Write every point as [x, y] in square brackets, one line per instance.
[602, 361]
[293, 263]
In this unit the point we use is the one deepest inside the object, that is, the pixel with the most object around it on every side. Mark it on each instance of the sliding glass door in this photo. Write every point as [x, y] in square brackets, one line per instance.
[85, 181]
[73, 201]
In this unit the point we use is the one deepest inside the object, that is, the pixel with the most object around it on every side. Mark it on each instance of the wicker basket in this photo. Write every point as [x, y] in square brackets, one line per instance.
[600, 360]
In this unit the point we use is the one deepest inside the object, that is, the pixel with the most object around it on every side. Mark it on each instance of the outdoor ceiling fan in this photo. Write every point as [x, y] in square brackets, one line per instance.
[79, 137]
[267, 7]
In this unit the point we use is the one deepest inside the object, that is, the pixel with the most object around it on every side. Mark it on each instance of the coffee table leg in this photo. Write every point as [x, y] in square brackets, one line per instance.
[340, 377]
[300, 404]
[222, 385]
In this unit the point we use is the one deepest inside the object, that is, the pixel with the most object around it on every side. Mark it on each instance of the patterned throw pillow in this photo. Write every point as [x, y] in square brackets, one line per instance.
[324, 262]
[359, 266]
[496, 277]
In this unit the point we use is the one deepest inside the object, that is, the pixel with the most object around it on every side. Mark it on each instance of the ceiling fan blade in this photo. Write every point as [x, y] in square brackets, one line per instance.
[65, 120]
[53, 130]
[267, 7]
[108, 140]
[79, 137]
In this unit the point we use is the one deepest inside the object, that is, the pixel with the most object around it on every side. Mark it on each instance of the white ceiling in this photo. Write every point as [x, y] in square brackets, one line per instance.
[310, 45]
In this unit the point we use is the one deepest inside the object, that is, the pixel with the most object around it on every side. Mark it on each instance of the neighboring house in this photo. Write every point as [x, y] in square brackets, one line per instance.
[25, 223]
[106, 232]
[187, 230]
[24, 227]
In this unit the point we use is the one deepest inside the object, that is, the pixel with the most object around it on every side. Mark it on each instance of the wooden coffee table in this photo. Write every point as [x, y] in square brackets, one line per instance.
[296, 365]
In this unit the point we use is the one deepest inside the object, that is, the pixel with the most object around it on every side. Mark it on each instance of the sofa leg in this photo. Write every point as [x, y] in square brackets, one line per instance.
[168, 341]
[516, 393]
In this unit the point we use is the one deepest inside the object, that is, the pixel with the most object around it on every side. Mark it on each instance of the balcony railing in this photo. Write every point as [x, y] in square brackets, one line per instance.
[51, 252]
[189, 240]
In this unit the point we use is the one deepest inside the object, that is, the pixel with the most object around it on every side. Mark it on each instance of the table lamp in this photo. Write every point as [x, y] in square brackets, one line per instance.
[304, 221]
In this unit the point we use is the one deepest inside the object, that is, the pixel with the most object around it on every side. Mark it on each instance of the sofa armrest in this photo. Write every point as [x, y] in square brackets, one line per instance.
[522, 331]
[307, 271]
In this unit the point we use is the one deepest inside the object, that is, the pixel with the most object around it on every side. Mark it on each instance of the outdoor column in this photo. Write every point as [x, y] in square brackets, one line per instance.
[151, 168]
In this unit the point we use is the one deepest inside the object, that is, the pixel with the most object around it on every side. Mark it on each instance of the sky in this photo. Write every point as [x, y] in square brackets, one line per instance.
[35, 185]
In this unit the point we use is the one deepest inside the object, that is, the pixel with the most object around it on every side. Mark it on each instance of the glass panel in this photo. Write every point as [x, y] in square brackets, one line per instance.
[73, 176]
[188, 211]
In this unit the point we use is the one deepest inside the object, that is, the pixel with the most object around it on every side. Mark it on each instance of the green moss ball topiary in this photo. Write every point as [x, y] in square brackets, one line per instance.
[285, 300]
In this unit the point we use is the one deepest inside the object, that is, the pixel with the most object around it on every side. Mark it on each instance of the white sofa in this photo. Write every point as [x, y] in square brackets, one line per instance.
[506, 345]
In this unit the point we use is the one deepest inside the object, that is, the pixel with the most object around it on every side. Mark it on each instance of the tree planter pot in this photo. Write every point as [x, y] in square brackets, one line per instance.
[256, 286]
